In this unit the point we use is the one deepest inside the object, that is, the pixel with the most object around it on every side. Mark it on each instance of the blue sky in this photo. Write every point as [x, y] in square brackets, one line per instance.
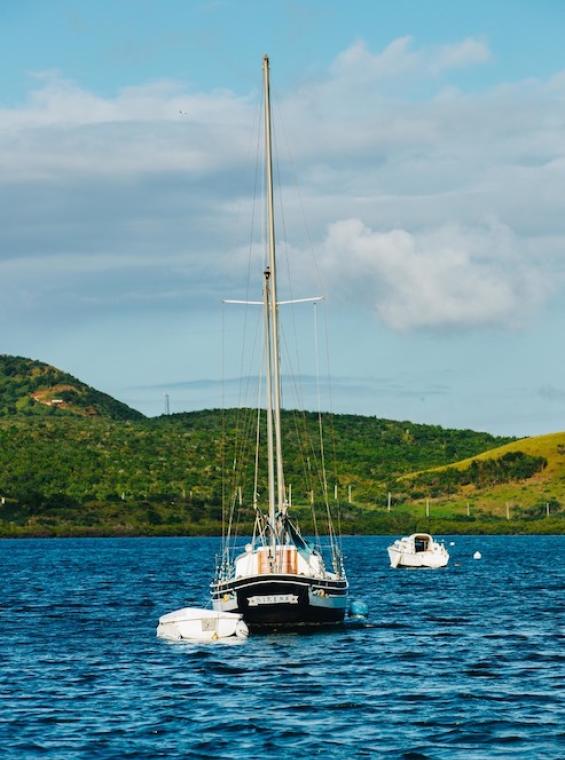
[421, 164]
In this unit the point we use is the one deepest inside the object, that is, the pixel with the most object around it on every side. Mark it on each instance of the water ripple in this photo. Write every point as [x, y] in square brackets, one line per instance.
[462, 663]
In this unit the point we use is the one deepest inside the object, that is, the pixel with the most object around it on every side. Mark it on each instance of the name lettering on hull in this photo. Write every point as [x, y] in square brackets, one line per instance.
[254, 601]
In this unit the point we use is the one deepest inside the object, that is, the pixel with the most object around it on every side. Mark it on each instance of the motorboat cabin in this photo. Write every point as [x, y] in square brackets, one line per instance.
[418, 550]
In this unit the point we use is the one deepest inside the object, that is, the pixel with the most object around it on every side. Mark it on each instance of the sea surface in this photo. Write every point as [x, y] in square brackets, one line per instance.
[466, 662]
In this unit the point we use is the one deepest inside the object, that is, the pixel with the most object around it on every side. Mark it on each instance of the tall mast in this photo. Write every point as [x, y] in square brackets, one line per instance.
[269, 390]
[272, 296]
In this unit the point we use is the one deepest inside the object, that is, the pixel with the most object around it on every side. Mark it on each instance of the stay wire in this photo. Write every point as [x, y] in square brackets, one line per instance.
[295, 343]
[319, 275]
[223, 434]
[240, 413]
[309, 443]
[248, 278]
[333, 436]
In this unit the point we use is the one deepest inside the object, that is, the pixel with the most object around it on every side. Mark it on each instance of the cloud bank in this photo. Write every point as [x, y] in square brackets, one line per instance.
[434, 206]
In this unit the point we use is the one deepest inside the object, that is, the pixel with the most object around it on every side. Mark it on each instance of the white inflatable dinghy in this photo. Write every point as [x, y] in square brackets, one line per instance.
[196, 624]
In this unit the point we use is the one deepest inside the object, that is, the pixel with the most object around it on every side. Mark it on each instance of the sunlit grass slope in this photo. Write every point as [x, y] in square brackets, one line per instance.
[515, 498]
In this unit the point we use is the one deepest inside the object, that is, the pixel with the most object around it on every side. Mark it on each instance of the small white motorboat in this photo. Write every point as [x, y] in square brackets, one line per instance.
[418, 550]
[197, 624]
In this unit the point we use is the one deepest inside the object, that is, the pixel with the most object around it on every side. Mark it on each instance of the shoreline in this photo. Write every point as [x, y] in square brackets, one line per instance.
[482, 530]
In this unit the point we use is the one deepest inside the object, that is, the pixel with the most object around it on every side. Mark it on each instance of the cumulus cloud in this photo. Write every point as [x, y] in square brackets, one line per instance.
[399, 58]
[450, 276]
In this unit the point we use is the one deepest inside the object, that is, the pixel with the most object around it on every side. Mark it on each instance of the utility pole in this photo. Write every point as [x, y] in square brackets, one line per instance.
[167, 404]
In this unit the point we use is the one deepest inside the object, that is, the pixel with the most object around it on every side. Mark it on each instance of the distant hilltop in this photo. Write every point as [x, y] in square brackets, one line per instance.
[30, 387]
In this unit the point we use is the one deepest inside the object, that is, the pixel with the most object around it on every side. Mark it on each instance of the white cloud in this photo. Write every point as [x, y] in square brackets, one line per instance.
[63, 129]
[399, 59]
[466, 53]
[450, 276]
[399, 164]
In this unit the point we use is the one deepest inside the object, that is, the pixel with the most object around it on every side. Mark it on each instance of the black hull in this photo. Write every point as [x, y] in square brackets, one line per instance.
[283, 601]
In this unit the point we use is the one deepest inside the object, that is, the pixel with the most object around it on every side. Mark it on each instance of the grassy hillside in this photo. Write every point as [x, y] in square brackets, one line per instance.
[75, 461]
[528, 497]
[32, 388]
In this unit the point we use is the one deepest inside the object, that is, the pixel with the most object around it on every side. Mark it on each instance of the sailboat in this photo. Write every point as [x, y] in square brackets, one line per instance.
[279, 579]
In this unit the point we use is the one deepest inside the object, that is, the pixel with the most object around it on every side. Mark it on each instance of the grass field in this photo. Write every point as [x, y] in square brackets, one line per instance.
[517, 499]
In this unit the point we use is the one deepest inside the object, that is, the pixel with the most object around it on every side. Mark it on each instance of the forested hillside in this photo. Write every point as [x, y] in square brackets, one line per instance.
[74, 461]
[180, 467]
[102, 459]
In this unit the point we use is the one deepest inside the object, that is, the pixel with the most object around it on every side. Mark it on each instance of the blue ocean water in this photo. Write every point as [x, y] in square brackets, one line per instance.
[465, 662]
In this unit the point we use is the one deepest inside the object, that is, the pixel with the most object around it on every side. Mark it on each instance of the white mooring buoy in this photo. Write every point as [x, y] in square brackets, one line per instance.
[477, 555]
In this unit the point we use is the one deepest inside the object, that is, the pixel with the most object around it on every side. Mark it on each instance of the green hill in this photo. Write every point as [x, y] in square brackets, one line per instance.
[74, 461]
[32, 388]
[523, 479]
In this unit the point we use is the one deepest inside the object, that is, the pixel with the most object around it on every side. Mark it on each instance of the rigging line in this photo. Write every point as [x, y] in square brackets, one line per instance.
[223, 434]
[236, 526]
[309, 443]
[285, 238]
[243, 418]
[249, 260]
[265, 225]
[330, 388]
[302, 449]
[246, 416]
[257, 440]
[323, 482]
[333, 436]
[242, 480]
[240, 470]
[300, 413]
[302, 439]
[230, 524]
[247, 438]
[240, 474]
[254, 204]
[320, 470]
[320, 425]
[234, 498]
